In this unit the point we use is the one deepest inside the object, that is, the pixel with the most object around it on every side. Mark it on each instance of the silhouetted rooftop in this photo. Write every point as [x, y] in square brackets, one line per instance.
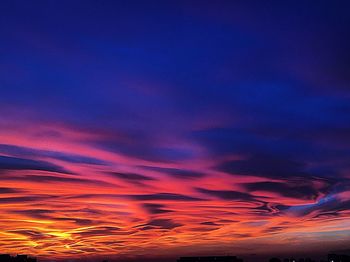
[210, 259]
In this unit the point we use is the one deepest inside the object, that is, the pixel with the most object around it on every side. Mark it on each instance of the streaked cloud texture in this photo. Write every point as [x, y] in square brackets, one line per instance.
[173, 127]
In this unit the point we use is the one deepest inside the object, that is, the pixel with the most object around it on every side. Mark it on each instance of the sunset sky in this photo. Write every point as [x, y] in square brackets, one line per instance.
[168, 128]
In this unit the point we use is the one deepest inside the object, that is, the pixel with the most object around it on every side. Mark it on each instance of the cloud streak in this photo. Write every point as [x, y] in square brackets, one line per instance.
[175, 128]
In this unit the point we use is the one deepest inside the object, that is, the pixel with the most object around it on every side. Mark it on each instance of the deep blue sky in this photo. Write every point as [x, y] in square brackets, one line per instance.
[255, 94]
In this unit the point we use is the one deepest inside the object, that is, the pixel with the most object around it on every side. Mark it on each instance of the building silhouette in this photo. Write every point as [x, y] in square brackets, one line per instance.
[18, 258]
[307, 259]
[338, 258]
[274, 259]
[210, 259]
[330, 258]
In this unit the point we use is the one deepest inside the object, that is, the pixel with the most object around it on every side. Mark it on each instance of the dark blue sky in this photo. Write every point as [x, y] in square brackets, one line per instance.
[242, 102]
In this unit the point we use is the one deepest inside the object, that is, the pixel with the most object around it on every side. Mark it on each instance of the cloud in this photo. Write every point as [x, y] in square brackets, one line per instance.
[144, 147]
[19, 151]
[8, 190]
[298, 188]
[160, 224]
[238, 114]
[164, 196]
[155, 208]
[227, 194]
[21, 199]
[56, 179]
[139, 197]
[330, 206]
[209, 223]
[274, 230]
[14, 163]
[178, 173]
[101, 231]
[35, 213]
[32, 234]
[265, 166]
[78, 221]
[132, 178]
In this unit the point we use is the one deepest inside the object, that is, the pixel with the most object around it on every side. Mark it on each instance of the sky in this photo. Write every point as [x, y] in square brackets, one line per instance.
[168, 128]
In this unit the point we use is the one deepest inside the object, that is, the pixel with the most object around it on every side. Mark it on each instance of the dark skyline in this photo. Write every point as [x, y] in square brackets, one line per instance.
[176, 128]
[331, 257]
